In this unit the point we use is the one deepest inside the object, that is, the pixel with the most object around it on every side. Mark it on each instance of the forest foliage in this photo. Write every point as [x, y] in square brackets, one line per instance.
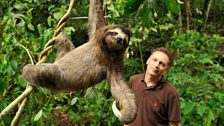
[193, 30]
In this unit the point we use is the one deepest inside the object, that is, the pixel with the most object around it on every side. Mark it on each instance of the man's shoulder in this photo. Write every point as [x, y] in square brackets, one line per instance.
[171, 89]
[135, 79]
[170, 86]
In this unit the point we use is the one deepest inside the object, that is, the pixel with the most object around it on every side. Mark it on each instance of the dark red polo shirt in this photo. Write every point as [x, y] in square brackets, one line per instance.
[158, 105]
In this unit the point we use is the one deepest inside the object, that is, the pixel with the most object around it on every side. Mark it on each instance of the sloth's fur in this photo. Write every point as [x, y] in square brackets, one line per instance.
[82, 67]
[79, 68]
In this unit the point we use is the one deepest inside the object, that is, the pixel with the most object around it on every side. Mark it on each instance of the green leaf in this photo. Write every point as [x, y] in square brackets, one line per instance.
[6, 37]
[74, 100]
[69, 30]
[40, 29]
[201, 110]
[90, 93]
[9, 70]
[38, 115]
[30, 1]
[58, 15]
[49, 21]
[14, 65]
[188, 108]
[31, 27]
[47, 34]
[209, 117]
[3, 85]
[3, 58]
[50, 7]
[21, 23]
[166, 26]
[19, 5]
[219, 96]
[147, 18]
[173, 6]
[113, 9]
[206, 61]
[21, 81]
[132, 5]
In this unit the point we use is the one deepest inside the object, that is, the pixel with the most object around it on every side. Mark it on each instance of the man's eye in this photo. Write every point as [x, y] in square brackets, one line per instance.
[163, 64]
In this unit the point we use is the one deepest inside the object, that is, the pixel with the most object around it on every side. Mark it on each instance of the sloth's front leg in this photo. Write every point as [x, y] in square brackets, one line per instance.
[123, 94]
[64, 44]
[44, 75]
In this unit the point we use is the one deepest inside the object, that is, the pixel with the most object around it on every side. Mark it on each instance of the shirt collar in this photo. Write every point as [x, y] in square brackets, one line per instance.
[158, 85]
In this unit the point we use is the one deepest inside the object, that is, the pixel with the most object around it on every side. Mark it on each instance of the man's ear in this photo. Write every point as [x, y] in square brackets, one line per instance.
[167, 68]
[147, 62]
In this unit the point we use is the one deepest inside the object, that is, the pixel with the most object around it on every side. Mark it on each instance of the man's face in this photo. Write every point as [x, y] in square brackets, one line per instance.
[157, 64]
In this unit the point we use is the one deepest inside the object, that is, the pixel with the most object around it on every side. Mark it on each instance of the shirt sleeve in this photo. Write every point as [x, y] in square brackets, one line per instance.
[130, 81]
[174, 113]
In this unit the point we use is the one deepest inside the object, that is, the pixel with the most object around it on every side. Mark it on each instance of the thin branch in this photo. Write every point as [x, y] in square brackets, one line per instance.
[180, 20]
[22, 106]
[180, 16]
[85, 17]
[78, 18]
[28, 52]
[28, 90]
[188, 12]
[207, 12]
[15, 120]
[65, 18]
[141, 56]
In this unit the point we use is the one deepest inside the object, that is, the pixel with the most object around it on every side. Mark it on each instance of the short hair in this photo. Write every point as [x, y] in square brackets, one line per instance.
[167, 52]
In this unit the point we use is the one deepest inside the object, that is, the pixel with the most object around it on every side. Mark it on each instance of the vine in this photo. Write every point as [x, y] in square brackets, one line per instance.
[42, 58]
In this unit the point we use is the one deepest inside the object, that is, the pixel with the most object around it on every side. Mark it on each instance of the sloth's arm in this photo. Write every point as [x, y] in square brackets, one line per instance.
[122, 93]
[64, 44]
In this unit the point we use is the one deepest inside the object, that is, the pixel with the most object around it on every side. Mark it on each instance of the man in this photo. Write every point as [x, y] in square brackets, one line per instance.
[157, 100]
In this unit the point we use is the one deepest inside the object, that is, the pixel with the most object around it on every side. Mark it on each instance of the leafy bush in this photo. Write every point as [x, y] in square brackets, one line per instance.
[199, 78]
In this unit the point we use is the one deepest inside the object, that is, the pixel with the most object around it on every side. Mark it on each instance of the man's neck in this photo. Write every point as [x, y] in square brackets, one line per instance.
[151, 80]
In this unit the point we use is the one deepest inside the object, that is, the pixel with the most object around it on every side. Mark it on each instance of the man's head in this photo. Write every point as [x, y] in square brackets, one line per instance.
[167, 52]
[159, 62]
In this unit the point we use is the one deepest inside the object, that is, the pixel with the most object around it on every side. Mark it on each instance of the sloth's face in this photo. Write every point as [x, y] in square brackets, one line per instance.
[116, 39]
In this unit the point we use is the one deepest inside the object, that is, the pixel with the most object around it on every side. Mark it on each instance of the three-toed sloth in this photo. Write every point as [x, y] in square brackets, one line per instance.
[79, 68]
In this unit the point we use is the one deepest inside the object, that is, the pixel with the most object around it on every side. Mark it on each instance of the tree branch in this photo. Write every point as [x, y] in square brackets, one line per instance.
[209, 4]
[28, 90]
[188, 13]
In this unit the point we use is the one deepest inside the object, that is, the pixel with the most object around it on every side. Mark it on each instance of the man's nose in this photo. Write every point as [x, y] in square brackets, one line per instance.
[156, 64]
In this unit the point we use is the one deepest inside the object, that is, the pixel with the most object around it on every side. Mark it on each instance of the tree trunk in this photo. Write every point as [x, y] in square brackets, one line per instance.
[206, 10]
[188, 13]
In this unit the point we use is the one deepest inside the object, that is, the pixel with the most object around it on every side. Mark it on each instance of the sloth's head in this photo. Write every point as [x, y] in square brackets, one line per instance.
[114, 37]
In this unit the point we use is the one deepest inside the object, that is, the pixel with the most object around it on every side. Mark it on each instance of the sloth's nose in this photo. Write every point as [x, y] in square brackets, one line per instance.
[119, 40]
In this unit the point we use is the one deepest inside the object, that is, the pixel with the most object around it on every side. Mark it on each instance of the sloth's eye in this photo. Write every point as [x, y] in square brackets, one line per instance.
[113, 33]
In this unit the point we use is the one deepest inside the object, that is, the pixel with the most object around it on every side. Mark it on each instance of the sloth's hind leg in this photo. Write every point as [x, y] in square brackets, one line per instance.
[44, 75]
[64, 44]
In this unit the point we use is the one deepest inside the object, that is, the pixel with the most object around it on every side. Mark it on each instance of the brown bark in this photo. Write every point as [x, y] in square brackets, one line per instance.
[188, 13]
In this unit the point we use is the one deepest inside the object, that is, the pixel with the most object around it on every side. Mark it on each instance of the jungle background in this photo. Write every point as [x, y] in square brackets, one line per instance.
[193, 30]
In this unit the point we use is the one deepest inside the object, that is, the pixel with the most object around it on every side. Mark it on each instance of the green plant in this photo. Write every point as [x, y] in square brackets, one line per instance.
[199, 78]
